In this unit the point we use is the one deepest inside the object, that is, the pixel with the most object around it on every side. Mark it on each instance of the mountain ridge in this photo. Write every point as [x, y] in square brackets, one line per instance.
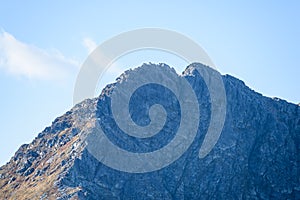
[56, 164]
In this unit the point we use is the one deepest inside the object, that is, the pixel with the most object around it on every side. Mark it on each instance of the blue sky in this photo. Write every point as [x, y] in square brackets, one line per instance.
[43, 44]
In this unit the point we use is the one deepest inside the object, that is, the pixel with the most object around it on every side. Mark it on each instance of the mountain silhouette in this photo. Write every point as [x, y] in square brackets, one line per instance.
[257, 155]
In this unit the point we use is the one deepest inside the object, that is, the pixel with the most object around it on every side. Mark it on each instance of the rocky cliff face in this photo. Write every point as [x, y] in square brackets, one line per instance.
[256, 157]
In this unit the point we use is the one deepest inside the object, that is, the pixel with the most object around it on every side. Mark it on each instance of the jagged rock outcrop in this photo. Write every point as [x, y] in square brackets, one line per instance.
[256, 157]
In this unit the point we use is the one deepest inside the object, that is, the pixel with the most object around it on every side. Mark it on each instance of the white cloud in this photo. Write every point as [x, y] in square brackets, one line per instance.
[114, 69]
[89, 44]
[21, 59]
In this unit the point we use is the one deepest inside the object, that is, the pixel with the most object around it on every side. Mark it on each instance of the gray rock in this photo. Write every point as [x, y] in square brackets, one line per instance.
[29, 171]
[256, 157]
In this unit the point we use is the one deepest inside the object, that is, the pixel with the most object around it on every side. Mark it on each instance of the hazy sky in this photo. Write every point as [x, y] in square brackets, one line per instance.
[43, 44]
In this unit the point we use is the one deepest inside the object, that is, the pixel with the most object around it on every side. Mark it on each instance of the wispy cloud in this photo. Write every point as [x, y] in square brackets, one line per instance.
[21, 59]
[110, 74]
[89, 44]
[114, 69]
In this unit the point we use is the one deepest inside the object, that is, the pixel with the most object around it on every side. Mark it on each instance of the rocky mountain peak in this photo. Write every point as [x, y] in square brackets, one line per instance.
[256, 156]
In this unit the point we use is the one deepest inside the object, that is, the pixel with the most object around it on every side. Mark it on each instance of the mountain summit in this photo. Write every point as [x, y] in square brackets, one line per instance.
[256, 157]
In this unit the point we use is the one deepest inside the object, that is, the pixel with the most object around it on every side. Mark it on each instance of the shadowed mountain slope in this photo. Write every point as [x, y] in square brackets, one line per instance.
[256, 157]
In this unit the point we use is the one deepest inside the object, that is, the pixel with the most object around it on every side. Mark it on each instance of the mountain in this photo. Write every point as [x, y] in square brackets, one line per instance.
[257, 155]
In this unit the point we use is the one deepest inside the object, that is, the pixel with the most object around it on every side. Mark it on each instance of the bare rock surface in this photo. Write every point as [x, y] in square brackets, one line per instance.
[256, 157]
